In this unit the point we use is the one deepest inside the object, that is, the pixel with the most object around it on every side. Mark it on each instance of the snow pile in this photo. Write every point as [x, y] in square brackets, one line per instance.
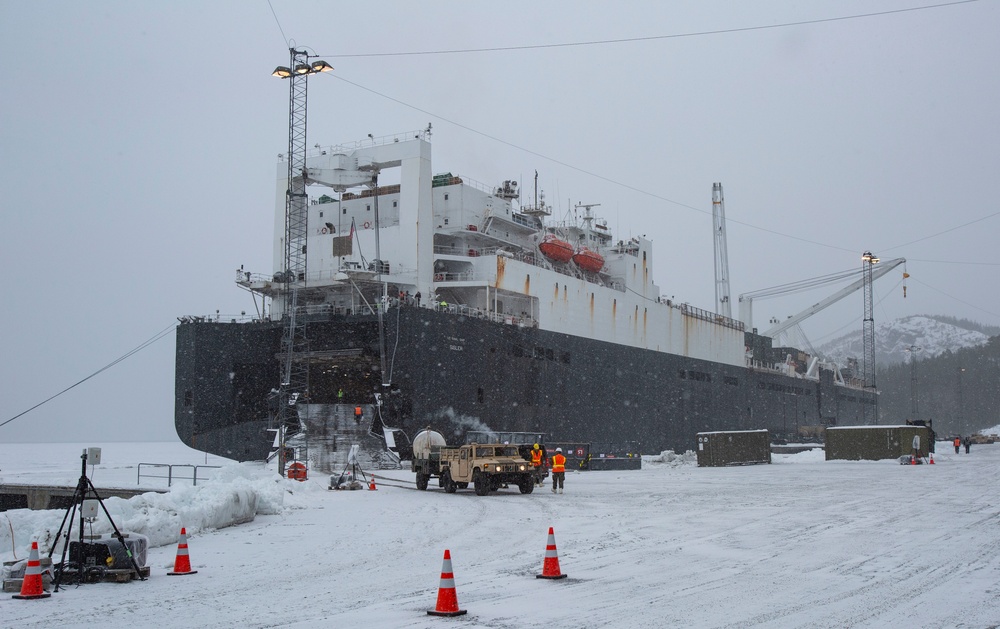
[236, 494]
[671, 458]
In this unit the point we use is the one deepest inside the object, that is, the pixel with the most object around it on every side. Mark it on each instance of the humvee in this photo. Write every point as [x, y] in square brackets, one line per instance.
[487, 467]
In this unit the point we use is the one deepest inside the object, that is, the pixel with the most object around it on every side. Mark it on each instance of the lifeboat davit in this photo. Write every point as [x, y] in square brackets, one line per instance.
[555, 249]
[588, 260]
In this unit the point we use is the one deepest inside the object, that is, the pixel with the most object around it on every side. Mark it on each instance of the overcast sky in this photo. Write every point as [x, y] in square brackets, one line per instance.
[139, 143]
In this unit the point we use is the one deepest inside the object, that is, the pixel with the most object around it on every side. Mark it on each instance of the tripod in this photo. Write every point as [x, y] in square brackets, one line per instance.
[84, 488]
[352, 463]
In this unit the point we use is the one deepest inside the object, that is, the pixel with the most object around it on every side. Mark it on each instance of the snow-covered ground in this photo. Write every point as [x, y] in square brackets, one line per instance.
[799, 543]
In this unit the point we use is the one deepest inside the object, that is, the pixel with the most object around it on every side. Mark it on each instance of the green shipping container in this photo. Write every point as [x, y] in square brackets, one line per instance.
[874, 443]
[740, 447]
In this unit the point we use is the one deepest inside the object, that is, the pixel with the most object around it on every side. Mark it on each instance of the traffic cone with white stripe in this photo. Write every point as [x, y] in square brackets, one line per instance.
[447, 601]
[371, 484]
[31, 586]
[931, 454]
[550, 569]
[182, 563]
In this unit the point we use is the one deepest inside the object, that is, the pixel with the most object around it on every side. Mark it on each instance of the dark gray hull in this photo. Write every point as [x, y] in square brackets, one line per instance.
[456, 373]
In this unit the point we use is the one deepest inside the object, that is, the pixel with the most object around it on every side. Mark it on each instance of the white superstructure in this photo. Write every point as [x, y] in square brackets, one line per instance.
[475, 249]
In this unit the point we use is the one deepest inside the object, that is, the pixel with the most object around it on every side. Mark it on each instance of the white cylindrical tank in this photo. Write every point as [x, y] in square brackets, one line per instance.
[424, 440]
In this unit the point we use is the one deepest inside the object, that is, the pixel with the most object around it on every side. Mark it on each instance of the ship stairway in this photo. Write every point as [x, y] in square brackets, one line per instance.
[330, 432]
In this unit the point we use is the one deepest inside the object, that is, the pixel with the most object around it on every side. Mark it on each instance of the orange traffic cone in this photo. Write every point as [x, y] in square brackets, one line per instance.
[913, 460]
[182, 564]
[447, 601]
[931, 462]
[371, 484]
[31, 586]
[550, 569]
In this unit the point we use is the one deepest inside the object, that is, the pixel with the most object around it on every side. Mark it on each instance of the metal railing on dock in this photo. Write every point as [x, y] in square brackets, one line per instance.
[170, 472]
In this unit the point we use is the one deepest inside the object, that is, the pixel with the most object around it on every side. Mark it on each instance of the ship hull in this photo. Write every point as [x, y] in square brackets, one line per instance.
[455, 373]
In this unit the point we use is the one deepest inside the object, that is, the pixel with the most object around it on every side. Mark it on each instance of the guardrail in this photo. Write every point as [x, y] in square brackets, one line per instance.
[170, 472]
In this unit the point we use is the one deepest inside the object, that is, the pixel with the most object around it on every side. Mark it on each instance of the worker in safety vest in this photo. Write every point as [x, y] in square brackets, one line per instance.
[558, 470]
[536, 463]
[357, 414]
[958, 444]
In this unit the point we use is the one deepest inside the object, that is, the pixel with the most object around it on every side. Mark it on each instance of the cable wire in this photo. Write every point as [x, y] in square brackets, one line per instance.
[141, 347]
[628, 40]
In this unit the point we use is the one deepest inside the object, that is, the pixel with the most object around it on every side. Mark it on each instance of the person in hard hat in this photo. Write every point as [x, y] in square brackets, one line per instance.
[558, 470]
[536, 463]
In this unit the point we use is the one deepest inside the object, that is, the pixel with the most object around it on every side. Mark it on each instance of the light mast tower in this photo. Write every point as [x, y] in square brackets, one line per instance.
[295, 369]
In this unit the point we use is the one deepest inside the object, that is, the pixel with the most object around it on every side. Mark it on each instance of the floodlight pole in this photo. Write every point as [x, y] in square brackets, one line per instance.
[295, 369]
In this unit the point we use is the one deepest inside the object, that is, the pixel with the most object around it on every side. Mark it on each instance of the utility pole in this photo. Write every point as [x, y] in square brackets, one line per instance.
[868, 260]
[912, 351]
[295, 369]
[722, 303]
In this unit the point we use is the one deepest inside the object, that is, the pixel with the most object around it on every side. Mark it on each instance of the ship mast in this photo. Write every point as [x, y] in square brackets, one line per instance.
[295, 369]
[588, 218]
[722, 303]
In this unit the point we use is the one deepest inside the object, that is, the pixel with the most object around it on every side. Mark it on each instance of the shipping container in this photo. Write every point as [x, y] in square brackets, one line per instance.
[739, 447]
[874, 443]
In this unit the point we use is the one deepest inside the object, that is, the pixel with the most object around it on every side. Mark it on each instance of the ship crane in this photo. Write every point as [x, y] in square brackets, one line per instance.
[746, 299]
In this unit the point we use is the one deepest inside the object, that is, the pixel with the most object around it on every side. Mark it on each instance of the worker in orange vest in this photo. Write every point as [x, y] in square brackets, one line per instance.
[558, 470]
[536, 463]
[357, 414]
[958, 444]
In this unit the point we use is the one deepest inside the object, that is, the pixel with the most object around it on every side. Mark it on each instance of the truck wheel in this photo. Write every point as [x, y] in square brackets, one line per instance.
[422, 480]
[449, 485]
[527, 485]
[482, 484]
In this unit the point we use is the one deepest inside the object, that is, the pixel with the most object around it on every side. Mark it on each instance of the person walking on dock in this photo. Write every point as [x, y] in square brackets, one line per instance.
[958, 444]
[558, 470]
[967, 442]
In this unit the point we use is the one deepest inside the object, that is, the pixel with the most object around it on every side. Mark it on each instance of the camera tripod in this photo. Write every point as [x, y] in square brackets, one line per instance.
[84, 490]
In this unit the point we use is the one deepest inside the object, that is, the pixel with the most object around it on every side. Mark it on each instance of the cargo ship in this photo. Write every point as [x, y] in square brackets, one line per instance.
[445, 303]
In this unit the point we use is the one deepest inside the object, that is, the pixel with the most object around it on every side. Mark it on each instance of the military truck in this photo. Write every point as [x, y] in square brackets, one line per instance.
[487, 467]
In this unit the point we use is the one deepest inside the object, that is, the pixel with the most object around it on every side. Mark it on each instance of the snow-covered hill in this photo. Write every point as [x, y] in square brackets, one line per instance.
[933, 335]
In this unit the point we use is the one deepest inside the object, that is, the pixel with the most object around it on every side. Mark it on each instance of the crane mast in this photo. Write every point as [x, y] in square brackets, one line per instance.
[868, 261]
[722, 303]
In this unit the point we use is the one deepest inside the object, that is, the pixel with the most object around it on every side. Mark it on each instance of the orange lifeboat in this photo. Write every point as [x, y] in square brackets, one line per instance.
[588, 260]
[556, 249]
